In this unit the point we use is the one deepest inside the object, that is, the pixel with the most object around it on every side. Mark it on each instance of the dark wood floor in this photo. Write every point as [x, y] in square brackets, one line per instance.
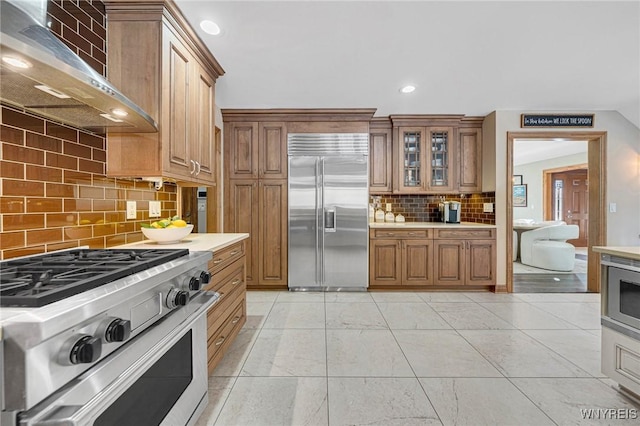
[549, 283]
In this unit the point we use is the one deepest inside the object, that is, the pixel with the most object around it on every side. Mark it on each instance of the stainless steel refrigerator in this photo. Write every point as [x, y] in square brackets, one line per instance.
[328, 211]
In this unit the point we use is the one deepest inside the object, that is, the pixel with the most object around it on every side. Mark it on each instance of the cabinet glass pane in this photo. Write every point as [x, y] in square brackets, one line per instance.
[412, 158]
[440, 158]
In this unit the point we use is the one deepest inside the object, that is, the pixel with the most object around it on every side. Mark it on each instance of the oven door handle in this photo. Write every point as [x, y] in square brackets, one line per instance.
[98, 401]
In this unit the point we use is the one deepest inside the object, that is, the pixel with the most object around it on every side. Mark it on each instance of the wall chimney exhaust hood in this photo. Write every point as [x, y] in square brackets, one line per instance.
[41, 74]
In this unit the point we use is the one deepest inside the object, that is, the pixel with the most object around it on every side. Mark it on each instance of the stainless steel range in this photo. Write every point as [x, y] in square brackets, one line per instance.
[104, 337]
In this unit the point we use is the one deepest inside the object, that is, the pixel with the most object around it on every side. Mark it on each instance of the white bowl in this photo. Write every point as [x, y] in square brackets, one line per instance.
[167, 235]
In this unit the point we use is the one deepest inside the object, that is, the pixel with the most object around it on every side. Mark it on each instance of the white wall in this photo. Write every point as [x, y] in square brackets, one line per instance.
[623, 175]
[532, 176]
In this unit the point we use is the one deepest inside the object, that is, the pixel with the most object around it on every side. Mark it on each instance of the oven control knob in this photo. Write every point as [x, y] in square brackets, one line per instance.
[86, 350]
[194, 284]
[177, 298]
[205, 277]
[118, 330]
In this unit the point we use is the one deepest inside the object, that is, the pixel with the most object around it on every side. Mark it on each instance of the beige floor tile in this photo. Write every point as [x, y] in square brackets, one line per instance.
[412, 316]
[577, 401]
[469, 316]
[379, 401]
[296, 315]
[442, 353]
[365, 353]
[355, 316]
[287, 352]
[262, 401]
[515, 354]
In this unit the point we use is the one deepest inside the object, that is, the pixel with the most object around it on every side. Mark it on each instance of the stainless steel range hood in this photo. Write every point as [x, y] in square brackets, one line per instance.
[41, 74]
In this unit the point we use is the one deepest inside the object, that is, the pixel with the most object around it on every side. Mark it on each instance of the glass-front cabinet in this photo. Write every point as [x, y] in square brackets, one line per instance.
[426, 155]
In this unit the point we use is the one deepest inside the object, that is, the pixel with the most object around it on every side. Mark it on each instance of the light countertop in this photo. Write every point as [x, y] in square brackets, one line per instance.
[628, 252]
[383, 225]
[193, 242]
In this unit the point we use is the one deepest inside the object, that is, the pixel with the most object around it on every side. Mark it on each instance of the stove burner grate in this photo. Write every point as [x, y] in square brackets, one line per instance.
[40, 280]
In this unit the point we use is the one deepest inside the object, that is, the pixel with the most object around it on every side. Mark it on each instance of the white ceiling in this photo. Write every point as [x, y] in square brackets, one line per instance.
[468, 57]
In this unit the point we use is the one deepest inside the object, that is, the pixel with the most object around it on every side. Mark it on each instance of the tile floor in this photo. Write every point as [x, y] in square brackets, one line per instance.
[414, 359]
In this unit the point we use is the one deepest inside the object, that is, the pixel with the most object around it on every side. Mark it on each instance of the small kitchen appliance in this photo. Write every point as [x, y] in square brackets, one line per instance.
[450, 211]
[104, 337]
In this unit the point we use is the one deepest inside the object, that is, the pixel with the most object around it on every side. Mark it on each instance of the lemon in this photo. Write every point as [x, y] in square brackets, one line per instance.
[155, 225]
[179, 223]
[170, 226]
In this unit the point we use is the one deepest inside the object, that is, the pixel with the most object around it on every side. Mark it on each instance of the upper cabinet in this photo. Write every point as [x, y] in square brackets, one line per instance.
[433, 154]
[380, 156]
[157, 60]
[256, 150]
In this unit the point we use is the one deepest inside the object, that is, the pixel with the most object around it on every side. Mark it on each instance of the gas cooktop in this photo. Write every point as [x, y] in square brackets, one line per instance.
[39, 280]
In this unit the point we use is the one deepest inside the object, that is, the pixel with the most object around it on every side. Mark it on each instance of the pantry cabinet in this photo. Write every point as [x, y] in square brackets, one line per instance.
[256, 150]
[470, 156]
[157, 61]
[259, 207]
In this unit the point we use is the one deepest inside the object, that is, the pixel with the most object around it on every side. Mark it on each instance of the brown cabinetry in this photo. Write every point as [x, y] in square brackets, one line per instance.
[470, 156]
[431, 154]
[400, 257]
[259, 208]
[228, 315]
[256, 150]
[465, 256]
[380, 156]
[432, 257]
[156, 59]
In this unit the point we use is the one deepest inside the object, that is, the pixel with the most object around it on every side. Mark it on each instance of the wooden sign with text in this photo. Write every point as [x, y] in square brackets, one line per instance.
[556, 120]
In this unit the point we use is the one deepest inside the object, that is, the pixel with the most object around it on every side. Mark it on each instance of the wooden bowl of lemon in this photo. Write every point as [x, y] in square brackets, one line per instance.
[167, 231]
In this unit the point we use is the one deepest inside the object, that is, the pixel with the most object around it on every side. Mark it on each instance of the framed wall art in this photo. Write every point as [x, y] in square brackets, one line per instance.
[520, 195]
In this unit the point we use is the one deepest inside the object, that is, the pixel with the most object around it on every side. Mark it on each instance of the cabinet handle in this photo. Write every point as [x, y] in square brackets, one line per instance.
[233, 253]
[235, 320]
[198, 164]
[412, 233]
[193, 163]
[220, 340]
[215, 262]
[236, 282]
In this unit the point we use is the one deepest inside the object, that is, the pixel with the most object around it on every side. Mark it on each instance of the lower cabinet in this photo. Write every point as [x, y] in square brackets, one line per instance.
[432, 257]
[465, 256]
[400, 257]
[228, 315]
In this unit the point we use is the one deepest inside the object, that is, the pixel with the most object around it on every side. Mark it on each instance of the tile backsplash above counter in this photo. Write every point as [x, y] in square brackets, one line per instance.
[424, 208]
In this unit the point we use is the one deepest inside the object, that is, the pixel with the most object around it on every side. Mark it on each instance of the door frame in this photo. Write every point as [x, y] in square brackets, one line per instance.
[596, 158]
[547, 186]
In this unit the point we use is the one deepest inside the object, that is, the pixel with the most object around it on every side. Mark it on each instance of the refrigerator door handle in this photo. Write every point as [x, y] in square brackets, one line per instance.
[330, 220]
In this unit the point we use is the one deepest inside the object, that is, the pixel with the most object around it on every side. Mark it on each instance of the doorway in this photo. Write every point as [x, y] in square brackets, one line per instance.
[595, 199]
[567, 199]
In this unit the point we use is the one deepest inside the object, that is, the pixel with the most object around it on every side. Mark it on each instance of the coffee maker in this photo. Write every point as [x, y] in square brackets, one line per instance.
[450, 211]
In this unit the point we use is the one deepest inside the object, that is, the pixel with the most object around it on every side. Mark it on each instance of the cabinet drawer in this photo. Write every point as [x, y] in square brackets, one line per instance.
[465, 233]
[402, 233]
[226, 256]
[220, 338]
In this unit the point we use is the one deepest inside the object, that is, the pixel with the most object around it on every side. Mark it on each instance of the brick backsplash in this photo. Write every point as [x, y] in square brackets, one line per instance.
[53, 190]
[424, 208]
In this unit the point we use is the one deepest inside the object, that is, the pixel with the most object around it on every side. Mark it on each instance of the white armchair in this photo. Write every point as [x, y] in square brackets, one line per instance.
[547, 248]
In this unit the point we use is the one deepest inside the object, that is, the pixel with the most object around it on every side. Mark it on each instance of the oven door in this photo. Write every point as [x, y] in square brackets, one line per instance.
[624, 296]
[160, 377]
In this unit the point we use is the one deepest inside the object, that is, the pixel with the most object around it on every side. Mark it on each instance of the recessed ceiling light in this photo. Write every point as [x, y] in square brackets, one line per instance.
[16, 62]
[210, 27]
[408, 89]
[119, 112]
